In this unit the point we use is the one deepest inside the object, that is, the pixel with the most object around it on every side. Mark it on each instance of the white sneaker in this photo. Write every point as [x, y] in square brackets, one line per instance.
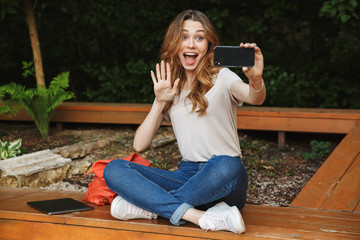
[223, 217]
[123, 210]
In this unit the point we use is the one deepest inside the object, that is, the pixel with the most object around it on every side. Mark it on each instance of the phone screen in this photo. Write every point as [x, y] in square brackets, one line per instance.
[233, 56]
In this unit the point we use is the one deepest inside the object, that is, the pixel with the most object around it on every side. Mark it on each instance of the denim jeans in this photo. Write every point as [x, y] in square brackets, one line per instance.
[171, 193]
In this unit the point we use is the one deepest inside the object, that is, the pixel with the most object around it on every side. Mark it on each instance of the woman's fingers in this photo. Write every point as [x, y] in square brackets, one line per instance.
[163, 70]
[162, 82]
[168, 72]
[259, 64]
[153, 77]
[176, 83]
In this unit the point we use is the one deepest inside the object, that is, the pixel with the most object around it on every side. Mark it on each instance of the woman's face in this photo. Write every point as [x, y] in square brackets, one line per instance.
[194, 45]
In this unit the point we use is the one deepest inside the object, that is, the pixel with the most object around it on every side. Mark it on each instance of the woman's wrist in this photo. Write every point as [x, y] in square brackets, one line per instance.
[159, 103]
[257, 86]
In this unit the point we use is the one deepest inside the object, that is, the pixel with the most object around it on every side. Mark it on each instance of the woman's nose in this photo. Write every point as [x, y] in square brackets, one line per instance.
[191, 43]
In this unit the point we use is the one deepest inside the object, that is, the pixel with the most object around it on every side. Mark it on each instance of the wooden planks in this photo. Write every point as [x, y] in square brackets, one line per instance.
[101, 113]
[336, 185]
[346, 194]
[306, 223]
[297, 119]
[249, 118]
[18, 221]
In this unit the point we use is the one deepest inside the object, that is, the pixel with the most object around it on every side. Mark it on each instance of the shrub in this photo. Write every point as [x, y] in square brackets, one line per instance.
[39, 103]
[10, 149]
[320, 150]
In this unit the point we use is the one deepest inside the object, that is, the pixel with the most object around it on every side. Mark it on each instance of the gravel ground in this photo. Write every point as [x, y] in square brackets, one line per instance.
[276, 175]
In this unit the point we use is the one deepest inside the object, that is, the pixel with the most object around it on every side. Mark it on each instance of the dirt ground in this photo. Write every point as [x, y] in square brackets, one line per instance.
[276, 175]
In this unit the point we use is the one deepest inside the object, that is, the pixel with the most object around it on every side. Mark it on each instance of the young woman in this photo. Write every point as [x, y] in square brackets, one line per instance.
[200, 100]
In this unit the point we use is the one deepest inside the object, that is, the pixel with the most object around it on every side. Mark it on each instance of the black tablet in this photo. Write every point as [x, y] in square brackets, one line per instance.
[60, 206]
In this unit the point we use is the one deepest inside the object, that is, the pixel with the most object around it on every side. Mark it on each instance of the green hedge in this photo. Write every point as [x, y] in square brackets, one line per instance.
[311, 48]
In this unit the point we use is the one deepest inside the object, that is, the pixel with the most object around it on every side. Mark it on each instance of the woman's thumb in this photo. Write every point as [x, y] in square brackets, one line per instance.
[176, 83]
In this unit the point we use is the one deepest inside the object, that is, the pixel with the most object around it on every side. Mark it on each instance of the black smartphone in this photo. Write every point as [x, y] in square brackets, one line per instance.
[233, 56]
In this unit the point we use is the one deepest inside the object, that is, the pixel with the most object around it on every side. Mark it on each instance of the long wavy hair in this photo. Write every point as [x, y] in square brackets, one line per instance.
[204, 72]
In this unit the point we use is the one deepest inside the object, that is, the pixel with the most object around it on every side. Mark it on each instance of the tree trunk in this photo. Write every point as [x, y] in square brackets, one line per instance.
[35, 44]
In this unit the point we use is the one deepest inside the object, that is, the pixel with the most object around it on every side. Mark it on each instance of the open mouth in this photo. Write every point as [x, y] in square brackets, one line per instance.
[190, 58]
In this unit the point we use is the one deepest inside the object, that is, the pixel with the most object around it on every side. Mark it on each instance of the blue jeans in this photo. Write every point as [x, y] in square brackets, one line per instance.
[171, 193]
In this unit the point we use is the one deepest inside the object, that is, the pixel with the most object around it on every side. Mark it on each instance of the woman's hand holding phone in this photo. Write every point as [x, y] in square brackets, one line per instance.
[254, 74]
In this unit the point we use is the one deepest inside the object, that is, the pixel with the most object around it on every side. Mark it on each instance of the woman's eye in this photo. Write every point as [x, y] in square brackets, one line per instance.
[199, 38]
[184, 37]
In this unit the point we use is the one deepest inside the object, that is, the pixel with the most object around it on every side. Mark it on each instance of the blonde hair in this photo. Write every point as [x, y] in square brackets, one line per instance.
[204, 72]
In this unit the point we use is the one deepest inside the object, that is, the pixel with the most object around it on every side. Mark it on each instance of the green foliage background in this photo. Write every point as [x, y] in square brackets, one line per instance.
[311, 47]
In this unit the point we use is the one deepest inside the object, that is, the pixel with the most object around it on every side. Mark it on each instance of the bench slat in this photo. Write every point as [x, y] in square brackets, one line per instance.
[346, 194]
[318, 192]
[19, 220]
[41, 230]
[292, 124]
[249, 118]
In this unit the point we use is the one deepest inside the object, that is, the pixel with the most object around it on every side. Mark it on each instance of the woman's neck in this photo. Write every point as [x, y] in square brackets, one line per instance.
[190, 76]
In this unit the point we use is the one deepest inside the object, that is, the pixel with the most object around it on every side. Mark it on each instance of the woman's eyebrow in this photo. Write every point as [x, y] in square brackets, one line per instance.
[200, 30]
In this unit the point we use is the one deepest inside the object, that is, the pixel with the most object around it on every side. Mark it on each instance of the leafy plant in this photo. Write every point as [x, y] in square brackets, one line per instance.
[161, 164]
[320, 150]
[10, 149]
[342, 9]
[29, 68]
[8, 7]
[76, 140]
[39, 103]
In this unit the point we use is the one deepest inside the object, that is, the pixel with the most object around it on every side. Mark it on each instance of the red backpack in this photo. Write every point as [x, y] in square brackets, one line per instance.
[98, 192]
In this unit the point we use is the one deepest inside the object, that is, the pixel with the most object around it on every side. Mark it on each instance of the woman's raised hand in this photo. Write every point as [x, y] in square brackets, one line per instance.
[256, 71]
[162, 83]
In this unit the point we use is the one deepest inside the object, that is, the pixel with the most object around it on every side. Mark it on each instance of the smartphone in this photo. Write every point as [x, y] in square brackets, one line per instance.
[233, 56]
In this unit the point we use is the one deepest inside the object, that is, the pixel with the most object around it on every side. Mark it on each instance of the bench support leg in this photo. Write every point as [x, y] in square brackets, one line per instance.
[281, 140]
[59, 126]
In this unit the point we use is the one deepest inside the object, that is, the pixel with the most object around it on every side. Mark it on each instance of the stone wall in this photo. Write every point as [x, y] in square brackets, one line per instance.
[46, 167]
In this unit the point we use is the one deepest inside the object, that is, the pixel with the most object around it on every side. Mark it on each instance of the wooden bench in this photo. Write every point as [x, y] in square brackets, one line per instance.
[280, 120]
[19, 221]
[336, 184]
